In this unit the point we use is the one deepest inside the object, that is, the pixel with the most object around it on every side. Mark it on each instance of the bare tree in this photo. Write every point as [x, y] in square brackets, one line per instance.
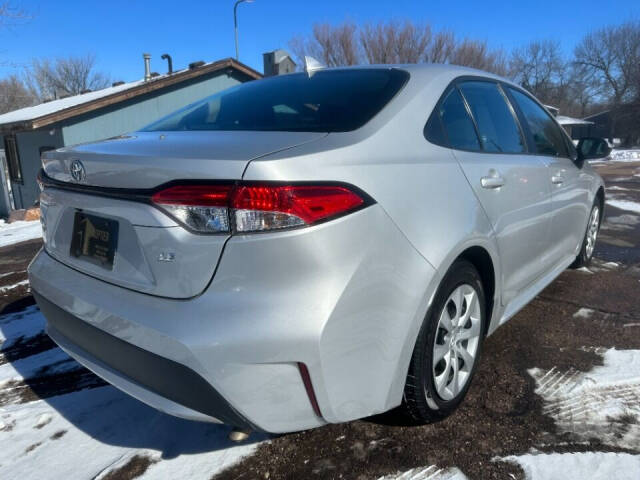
[539, 68]
[477, 54]
[393, 42]
[332, 45]
[65, 76]
[413, 41]
[576, 93]
[14, 94]
[441, 49]
[379, 42]
[612, 55]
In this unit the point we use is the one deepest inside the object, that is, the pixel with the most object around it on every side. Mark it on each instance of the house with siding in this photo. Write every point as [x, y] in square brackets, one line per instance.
[97, 115]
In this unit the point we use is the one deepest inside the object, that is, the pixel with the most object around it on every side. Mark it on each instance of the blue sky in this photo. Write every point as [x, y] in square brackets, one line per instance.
[119, 31]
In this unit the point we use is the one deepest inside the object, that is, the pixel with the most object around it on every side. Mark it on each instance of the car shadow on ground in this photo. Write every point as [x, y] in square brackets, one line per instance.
[88, 403]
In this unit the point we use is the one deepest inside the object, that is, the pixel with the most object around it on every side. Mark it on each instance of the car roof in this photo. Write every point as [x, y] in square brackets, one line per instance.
[428, 70]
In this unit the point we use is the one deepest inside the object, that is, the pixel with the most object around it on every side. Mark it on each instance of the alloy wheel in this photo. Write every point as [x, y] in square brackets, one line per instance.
[592, 231]
[456, 341]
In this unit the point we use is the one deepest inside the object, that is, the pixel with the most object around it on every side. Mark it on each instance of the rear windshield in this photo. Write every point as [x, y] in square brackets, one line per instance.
[328, 101]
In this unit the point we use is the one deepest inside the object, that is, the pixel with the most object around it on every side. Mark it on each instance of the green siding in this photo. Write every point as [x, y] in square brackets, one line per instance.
[29, 144]
[131, 116]
[107, 122]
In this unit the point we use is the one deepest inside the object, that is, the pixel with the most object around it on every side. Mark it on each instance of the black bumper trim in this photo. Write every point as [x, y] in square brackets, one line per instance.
[162, 376]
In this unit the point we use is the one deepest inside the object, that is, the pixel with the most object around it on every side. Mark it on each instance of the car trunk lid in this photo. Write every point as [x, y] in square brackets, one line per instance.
[152, 252]
[148, 159]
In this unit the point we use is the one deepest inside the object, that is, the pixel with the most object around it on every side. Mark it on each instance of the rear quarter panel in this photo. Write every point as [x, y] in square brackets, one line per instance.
[419, 186]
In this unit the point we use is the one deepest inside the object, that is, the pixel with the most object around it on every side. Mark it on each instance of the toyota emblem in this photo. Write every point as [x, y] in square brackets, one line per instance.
[77, 171]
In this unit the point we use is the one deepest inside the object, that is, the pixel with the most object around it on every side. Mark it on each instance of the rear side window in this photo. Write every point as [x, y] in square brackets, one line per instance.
[434, 132]
[496, 124]
[457, 123]
[547, 136]
[327, 101]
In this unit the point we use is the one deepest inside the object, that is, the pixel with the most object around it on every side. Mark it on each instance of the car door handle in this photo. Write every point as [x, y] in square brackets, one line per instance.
[557, 179]
[492, 182]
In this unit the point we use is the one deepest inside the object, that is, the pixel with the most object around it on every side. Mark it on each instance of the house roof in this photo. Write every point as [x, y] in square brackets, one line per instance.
[38, 116]
[597, 114]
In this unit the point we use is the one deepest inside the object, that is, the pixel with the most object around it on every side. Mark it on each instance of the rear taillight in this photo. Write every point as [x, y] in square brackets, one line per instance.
[255, 207]
[269, 207]
[203, 208]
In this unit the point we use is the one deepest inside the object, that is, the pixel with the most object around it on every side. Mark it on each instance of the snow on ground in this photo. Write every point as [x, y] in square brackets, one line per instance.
[427, 473]
[579, 466]
[628, 205]
[622, 222]
[601, 266]
[50, 362]
[89, 433]
[624, 219]
[24, 324]
[610, 265]
[15, 285]
[10, 273]
[17, 232]
[603, 403]
[583, 313]
[584, 270]
[632, 155]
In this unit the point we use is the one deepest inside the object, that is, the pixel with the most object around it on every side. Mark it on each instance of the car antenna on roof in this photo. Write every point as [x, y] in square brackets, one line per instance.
[311, 65]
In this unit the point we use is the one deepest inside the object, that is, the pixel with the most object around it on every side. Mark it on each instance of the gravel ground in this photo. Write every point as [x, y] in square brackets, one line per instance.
[554, 342]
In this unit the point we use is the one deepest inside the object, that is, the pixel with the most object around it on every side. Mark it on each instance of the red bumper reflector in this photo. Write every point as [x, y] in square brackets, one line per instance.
[306, 379]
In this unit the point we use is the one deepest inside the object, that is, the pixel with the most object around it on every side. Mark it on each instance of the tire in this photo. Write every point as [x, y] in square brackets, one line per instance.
[431, 392]
[589, 241]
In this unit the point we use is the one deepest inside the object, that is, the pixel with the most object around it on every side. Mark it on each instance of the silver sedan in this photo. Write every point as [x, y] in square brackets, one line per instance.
[313, 248]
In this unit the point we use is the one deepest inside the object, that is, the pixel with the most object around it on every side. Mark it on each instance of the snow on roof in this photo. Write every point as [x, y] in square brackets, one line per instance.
[564, 120]
[68, 107]
[37, 111]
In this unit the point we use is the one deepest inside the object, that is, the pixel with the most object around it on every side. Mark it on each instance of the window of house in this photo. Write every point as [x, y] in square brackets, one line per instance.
[547, 136]
[13, 159]
[497, 126]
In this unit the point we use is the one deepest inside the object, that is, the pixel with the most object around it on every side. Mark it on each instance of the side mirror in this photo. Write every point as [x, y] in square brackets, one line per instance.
[591, 148]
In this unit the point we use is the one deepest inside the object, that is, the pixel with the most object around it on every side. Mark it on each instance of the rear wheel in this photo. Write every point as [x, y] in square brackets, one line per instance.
[589, 242]
[448, 346]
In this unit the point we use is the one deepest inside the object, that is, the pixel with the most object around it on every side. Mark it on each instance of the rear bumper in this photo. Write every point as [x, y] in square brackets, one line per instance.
[345, 298]
[180, 390]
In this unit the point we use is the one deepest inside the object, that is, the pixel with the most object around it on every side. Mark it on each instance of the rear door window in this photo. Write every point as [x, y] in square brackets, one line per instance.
[547, 137]
[457, 123]
[494, 117]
